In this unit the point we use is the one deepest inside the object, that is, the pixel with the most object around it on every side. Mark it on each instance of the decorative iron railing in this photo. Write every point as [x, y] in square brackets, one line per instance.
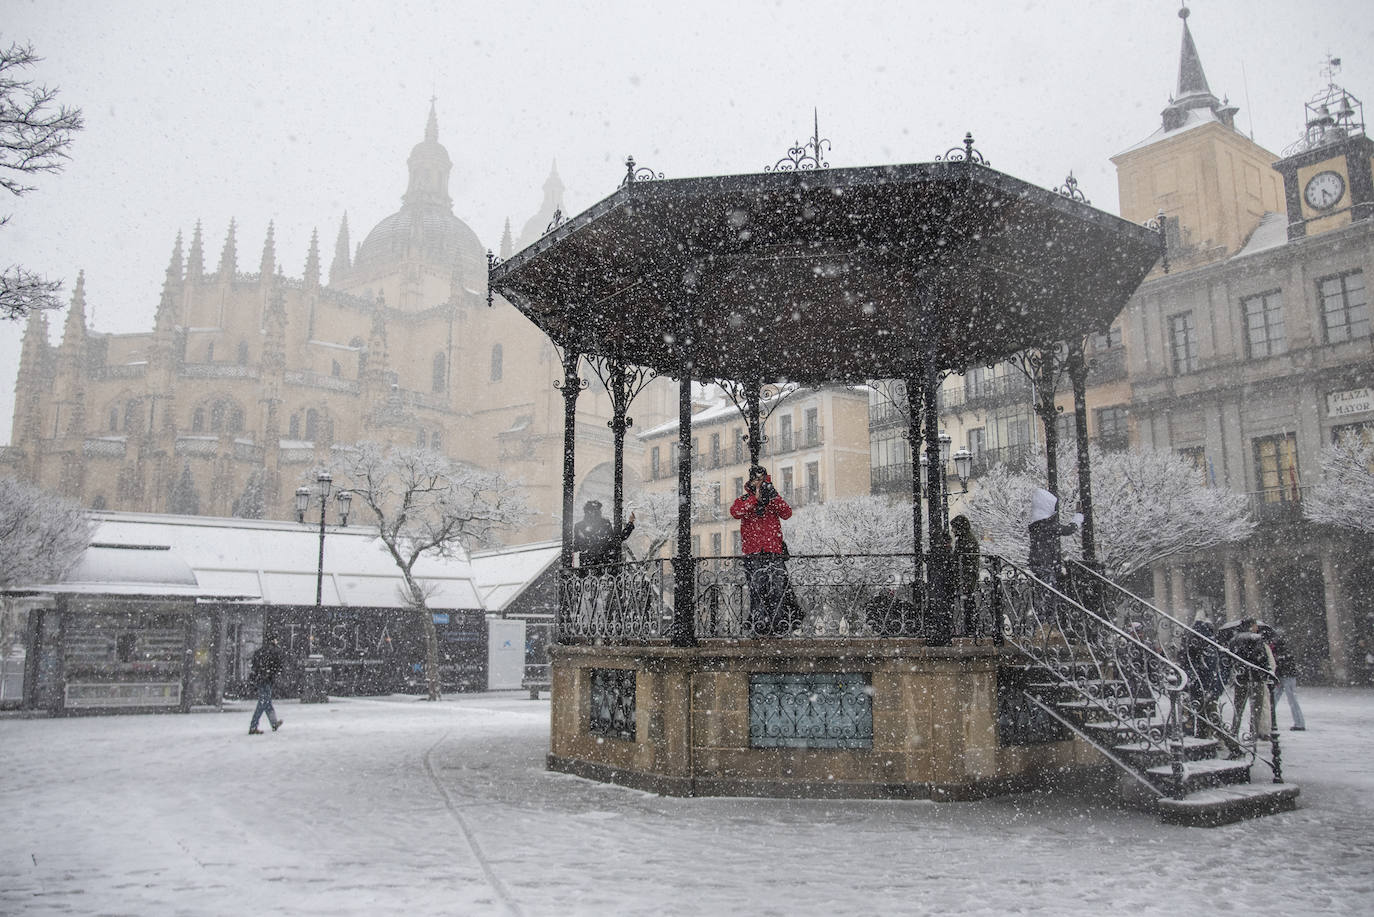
[812, 596]
[1119, 681]
[1209, 711]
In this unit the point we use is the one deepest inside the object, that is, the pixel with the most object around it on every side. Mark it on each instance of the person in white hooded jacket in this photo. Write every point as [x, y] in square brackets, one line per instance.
[1045, 532]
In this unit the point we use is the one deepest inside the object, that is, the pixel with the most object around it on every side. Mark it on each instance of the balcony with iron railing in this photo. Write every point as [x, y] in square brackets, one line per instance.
[1277, 505]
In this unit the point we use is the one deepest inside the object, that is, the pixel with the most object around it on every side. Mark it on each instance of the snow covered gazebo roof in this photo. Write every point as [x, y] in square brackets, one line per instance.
[830, 274]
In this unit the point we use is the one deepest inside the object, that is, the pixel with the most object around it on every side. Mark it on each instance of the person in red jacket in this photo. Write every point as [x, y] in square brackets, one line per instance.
[760, 511]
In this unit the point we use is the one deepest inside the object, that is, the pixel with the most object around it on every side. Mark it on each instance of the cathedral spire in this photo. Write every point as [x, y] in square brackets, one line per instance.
[74, 331]
[195, 266]
[229, 257]
[1191, 79]
[429, 166]
[341, 263]
[165, 319]
[312, 260]
[33, 349]
[507, 243]
[269, 253]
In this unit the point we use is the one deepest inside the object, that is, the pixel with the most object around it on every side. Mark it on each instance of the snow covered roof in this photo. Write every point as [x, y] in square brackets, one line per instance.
[502, 576]
[129, 570]
[1271, 232]
[1193, 119]
[278, 560]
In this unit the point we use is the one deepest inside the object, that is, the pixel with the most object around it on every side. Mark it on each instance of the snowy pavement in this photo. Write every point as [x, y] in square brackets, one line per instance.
[396, 806]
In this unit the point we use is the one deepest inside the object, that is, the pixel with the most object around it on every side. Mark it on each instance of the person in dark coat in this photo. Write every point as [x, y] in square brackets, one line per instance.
[594, 536]
[263, 670]
[1252, 681]
[966, 564]
[1045, 559]
[760, 511]
[1206, 678]
[1286, 671]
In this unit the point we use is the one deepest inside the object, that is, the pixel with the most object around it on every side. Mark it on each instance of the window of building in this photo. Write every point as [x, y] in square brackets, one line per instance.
[125, 647]
[1197, 457]
[114, 420]
[740, 451]
[813, 482]
[813, 426]
[335, 369]
[198, 421]
[1264, 334]
[132, 415]
[1112, 432]
[210, 352]
[218, 410]
[696, 545]
[294, 427]
[654, 466]
[1065, 429]
[235, 420]
[734, 542]
[1276, 467]
[1017, 431]
[739, 488]
[435, 441]
[243, 354]
[312, 424]
[421, 438]
[439, 373]
[496, 358]
[978, 381]
[1182, 343]
[787, 484]
[1345, 308]
[715, 450]
[715, 494]
[715, 544]
[785, 433]
[977, 440]
[1107, 340]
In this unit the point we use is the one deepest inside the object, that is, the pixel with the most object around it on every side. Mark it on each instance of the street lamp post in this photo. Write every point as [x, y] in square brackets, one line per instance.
[323, 482]
[963, 467]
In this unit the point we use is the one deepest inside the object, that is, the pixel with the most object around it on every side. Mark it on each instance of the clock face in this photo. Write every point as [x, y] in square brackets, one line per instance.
[1324, 190]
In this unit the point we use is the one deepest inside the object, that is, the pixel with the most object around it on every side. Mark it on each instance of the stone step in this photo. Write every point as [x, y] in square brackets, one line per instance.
[1115, 732]
[1224, 805]
[1123, 706]
[1203, 774]
[1143, 755]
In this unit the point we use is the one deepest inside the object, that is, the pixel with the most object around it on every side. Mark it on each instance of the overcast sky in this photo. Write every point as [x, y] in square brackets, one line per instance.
[298, 112]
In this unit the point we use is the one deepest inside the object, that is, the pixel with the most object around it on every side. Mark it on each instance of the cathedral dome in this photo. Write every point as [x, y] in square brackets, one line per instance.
[425, 226]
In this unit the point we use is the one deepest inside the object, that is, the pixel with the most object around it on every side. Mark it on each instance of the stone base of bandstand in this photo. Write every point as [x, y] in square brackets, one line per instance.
[935, 728]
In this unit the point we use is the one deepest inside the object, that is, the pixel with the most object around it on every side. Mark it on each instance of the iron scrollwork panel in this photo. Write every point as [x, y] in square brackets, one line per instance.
[613, 703]
[811, 710]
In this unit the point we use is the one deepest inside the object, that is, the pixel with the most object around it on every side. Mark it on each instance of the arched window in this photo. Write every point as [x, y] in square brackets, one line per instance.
[495, 362]
[437, 376]
[198, 420]
[294, 427]
[312, 424]
[114, 420]
[217, 412]
[434, 441]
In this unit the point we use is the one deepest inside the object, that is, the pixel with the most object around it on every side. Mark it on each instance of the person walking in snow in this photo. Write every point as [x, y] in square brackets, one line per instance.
[263, 670]
[1286, 671]
[760, 511]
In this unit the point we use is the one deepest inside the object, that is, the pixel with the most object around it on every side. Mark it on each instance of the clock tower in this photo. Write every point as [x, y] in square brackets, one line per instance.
[1328, 175]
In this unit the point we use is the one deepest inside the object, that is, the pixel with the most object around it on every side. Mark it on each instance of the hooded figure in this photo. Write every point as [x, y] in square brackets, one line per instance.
[594, 536]
[1045, 532]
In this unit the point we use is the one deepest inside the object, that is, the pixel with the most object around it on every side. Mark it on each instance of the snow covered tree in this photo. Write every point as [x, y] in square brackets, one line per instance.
[1345, 494]
[1147, 505]
[183, 498]
[34, 136]
[251, 503]
[41, 535]
[851, 525]
[426, 504]
[656, 520]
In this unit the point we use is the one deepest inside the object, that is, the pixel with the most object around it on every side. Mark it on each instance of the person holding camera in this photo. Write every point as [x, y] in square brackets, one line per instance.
[760, 511]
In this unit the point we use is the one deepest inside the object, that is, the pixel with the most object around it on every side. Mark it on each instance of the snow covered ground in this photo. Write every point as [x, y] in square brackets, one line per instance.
[396, 806]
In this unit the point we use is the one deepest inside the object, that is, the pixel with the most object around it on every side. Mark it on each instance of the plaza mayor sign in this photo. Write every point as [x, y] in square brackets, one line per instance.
[1350, 401]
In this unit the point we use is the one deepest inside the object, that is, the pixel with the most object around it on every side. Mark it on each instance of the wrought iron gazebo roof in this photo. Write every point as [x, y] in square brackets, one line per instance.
[828, 274]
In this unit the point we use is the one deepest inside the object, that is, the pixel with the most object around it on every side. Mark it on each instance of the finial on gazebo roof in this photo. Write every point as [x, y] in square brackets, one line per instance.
[808, 156]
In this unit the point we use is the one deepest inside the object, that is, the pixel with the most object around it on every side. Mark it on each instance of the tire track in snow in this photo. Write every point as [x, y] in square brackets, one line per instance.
[496, 884]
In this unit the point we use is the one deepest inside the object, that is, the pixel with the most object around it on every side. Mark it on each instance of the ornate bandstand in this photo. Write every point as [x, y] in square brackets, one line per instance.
[890, 675]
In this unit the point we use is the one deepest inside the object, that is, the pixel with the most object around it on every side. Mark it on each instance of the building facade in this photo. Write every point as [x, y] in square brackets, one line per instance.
[247, 380]
[1249, 355]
